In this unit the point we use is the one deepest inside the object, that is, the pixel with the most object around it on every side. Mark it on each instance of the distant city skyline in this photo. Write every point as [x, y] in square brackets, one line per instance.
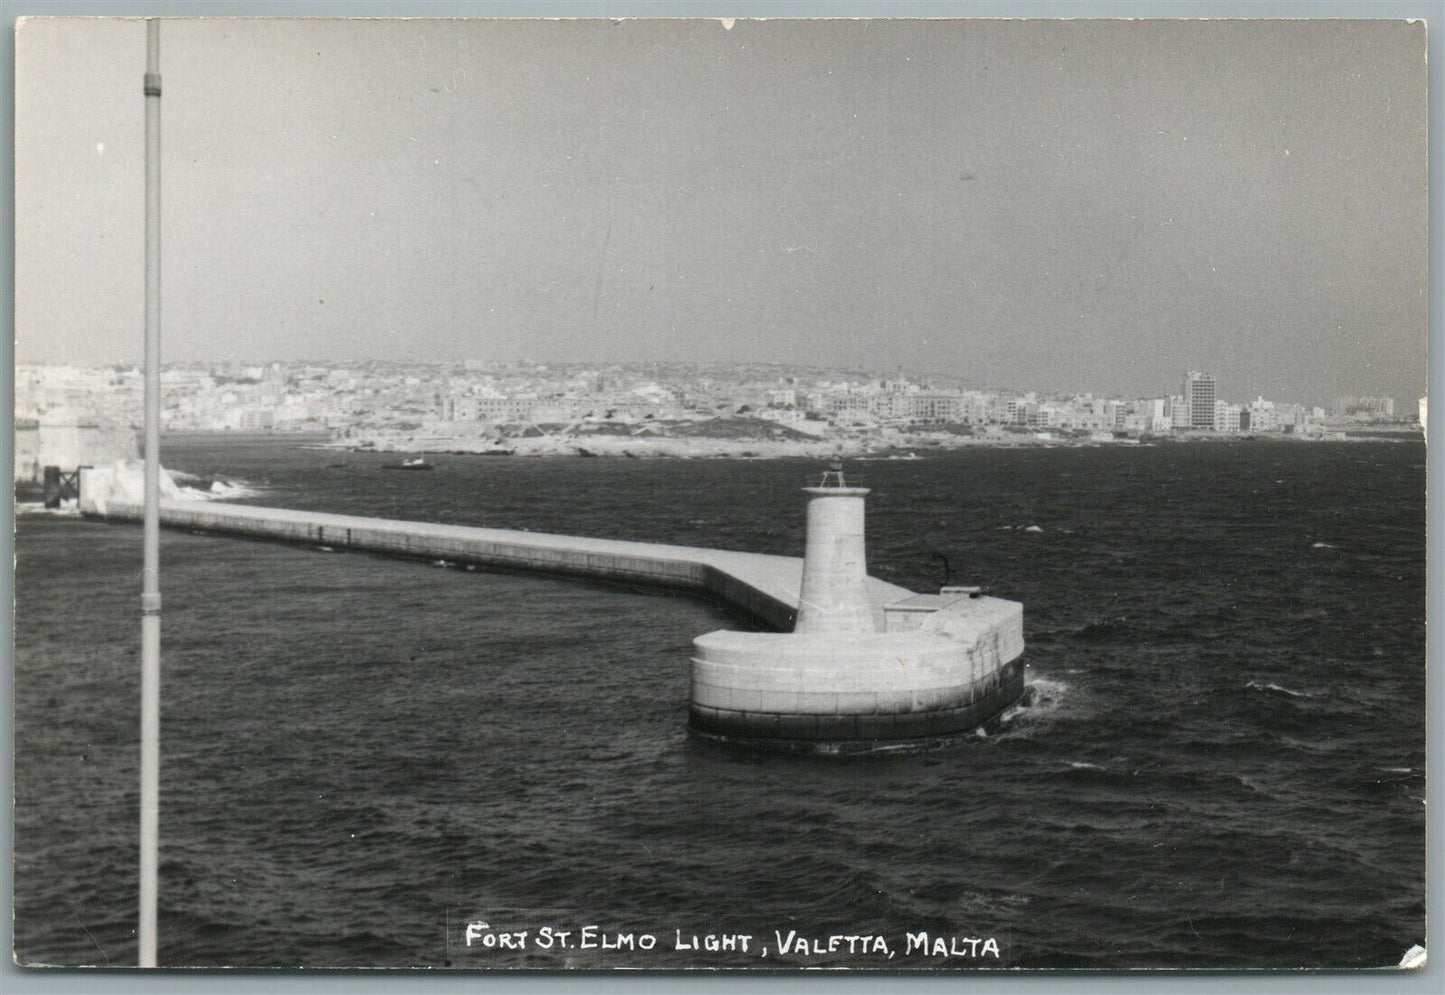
[563, 389]
[1045, 206]
[813, 371]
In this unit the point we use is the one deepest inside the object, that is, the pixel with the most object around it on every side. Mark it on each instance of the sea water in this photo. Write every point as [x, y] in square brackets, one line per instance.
[1222, 765]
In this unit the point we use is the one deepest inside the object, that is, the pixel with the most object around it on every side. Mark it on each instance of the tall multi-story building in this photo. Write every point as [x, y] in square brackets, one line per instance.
[1199, 399]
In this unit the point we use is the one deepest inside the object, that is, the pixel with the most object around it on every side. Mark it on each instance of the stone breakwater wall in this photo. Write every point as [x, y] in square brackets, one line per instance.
[761, 586]
[927, 665]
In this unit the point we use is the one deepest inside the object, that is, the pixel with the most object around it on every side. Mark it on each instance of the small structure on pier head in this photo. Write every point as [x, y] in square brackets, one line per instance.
[854, 674]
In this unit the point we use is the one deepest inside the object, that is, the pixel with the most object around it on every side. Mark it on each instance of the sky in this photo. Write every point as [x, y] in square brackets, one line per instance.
[1038, 205]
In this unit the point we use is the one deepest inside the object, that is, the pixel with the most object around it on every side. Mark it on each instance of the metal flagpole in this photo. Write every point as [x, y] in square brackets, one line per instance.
[150, 599]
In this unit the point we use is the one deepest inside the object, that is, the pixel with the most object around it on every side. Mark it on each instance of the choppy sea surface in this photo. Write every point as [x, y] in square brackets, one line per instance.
[1223, 764]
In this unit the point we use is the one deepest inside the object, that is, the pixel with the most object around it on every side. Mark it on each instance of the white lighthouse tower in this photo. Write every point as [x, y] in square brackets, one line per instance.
[834, 595]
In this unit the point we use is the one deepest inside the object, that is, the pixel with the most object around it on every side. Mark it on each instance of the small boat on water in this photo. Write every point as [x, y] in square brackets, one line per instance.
[416, 463]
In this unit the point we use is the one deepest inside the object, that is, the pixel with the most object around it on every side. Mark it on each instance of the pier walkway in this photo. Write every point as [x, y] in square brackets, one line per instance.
[765, 587]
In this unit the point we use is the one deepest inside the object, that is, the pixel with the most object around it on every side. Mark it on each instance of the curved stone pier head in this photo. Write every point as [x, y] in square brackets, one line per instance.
[812, 692]
[943, 663]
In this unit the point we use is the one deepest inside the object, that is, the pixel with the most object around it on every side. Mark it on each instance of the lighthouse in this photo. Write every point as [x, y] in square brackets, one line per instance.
[834, 595]
[868, 665]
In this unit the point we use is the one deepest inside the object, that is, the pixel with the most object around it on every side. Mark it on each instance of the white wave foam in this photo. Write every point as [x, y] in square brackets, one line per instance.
[1011, 713]
[227, 490]
[1046, 692]
[1263, 686]
[1042, 700]
[193, 488]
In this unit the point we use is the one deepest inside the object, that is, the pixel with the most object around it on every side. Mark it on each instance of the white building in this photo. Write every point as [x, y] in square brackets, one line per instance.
[460, 407]
[1152, 414]
[1226, 417]
[1179, 413]
[1260, 416]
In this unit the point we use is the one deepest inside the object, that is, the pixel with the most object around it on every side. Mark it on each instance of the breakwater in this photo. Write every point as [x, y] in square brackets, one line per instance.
[762, 586]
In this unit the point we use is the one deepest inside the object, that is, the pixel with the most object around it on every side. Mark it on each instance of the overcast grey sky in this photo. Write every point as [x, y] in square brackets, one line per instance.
[1089, 205]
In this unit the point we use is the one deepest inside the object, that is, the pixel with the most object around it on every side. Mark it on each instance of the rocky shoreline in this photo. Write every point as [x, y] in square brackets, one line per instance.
[901, 446]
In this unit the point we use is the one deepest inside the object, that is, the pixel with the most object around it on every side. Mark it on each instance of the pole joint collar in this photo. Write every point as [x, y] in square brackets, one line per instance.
[153, 84]
[150, 604]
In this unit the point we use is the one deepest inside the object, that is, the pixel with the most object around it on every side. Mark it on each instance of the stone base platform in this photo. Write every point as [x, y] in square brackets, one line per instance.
[828, 693]
[861, 733]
